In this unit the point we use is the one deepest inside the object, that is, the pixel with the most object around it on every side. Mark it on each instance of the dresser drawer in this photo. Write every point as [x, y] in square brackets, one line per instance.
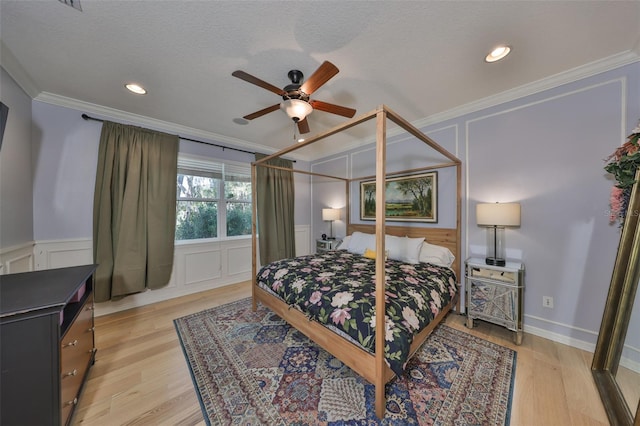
[76, 350]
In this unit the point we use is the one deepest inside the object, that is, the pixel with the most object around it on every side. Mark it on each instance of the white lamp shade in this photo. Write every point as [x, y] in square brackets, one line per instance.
[498, 214]
[296, 109]
[330, 214]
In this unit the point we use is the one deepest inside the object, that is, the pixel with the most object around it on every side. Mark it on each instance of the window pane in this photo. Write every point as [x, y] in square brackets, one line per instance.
[196, 219]
[237, 190]
[238, 219]
[190, 186]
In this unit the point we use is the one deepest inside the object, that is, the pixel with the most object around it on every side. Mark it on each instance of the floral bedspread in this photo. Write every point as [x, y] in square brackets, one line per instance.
[337, 288]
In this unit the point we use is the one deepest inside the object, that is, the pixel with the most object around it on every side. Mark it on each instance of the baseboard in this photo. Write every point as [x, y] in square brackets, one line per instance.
[159, 295]
[560, 338]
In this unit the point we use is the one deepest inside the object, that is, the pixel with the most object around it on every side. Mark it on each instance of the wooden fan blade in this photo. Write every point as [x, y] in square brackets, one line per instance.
[255, 80]
[333, 109]
[303, 126]
[320, 77]
[262, 112]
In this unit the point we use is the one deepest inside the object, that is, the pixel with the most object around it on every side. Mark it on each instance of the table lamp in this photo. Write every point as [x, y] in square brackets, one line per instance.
[496, 217]
[329, 215]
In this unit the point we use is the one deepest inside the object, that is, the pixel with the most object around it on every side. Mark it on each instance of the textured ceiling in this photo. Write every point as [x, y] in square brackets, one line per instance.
[421, 58]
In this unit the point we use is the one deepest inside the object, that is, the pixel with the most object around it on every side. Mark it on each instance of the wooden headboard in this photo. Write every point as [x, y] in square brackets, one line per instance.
[446, 237]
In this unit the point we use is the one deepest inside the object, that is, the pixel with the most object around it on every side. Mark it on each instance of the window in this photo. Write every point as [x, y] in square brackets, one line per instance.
[213, 199]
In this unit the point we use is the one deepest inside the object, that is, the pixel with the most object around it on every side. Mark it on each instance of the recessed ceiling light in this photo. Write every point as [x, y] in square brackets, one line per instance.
[498, 53]
[136, 88]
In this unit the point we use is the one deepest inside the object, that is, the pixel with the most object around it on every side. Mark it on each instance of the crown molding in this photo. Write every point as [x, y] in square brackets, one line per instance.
[570, 76]
[11, 65]
[117, 115]
[17, 72]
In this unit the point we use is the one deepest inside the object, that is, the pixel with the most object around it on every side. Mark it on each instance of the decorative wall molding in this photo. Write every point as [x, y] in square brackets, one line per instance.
[575, 74]
[197, 266]
[17, 259]
[62, 253]
[583, 71]
[303, 240]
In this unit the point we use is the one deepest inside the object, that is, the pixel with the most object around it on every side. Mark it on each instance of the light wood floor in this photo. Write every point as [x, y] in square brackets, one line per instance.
[141, 377]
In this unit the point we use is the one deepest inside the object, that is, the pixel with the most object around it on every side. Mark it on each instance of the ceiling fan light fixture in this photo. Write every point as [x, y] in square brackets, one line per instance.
[498, 53]
[296, 109]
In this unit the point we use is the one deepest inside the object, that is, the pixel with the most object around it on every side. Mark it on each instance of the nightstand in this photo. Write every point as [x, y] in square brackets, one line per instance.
[495, 294]
[326, 245]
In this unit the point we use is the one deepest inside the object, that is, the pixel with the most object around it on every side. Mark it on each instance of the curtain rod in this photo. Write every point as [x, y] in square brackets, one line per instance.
[86, 117]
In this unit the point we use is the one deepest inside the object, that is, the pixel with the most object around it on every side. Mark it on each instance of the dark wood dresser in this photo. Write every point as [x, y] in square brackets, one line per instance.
[46, 344]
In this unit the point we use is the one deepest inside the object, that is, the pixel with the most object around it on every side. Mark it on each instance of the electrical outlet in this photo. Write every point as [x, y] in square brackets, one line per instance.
[547, 301]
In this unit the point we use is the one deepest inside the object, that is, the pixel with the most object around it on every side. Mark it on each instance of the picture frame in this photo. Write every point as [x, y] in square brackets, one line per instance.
[408, 198]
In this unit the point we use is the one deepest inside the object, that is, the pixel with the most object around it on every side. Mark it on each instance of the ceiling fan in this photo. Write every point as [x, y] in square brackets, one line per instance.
[295, 96]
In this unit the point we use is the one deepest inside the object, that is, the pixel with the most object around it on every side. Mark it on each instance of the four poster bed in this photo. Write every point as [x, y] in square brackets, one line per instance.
[417, 294]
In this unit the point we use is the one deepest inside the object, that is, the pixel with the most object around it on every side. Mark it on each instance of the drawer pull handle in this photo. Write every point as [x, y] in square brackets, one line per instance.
[91, 329]
[90, 308]
[71, 373]
[74, 401]
[74, 343]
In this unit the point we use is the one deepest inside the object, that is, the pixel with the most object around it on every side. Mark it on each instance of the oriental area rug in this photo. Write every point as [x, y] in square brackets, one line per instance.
[252, 368]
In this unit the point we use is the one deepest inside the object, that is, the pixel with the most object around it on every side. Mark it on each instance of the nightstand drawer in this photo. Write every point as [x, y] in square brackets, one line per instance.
[325, 245]
[493, 274]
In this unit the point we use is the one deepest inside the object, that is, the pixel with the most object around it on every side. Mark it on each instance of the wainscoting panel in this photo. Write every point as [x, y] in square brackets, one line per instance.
[63, 253]
[16, 259]
[237, 260]
[198, 266]
[201, 266]
[303, 240]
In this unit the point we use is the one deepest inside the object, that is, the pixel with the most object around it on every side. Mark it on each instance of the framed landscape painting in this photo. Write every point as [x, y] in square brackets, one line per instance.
[411, 198]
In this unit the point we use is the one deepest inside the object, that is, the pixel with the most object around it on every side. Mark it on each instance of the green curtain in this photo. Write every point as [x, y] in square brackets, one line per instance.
[134, 210]
[275, 208]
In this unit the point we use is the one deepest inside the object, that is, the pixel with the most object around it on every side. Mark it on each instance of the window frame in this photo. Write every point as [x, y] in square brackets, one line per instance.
[215, 168]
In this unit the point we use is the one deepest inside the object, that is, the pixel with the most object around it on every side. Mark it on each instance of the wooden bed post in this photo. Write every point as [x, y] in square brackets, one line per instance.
[372, 367]
[459, 272]
[254, 242]
[381, 127]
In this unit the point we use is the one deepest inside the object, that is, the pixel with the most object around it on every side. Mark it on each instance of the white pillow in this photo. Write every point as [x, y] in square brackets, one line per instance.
[431, 253]
[344, 244]
[399, 248]
[404, 249]
[360, 242]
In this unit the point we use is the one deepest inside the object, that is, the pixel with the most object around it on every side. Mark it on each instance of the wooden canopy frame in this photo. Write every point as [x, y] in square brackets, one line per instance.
[372, 367]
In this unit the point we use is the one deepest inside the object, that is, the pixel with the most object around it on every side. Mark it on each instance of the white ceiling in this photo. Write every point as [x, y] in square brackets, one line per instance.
[420, 58]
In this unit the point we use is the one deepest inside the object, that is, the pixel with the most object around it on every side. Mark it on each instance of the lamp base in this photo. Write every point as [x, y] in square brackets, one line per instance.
[495, 261]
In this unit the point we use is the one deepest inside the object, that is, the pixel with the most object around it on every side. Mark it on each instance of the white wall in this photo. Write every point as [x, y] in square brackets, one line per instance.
[16, 195]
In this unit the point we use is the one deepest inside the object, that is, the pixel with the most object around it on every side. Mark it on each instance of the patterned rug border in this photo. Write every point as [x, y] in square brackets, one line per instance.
[242, 301]
[193, 377]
